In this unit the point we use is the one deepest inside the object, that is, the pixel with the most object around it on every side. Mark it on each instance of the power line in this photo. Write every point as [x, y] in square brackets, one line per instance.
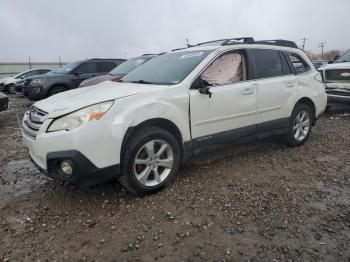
[322, 46]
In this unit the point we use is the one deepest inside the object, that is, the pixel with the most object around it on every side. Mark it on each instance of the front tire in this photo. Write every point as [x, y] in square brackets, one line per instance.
[56, 90]
[11, 89]
[299, 126]
[150, 160]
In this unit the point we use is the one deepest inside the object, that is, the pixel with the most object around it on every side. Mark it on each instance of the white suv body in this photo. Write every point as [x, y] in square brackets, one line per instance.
[140, 132]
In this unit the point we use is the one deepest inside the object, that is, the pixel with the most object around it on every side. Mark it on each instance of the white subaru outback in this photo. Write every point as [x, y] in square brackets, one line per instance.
[142, 128]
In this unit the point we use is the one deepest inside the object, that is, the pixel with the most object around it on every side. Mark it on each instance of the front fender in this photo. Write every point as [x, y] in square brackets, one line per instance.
[133, 110]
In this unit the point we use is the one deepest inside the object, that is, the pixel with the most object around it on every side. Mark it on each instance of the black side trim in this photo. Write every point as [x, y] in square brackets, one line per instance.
[85, 172]
[224, 136]
[241, 135]
[273, 124]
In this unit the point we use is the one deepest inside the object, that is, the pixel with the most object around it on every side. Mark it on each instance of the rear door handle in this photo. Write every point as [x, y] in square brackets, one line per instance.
[290, 84]
[247, 91]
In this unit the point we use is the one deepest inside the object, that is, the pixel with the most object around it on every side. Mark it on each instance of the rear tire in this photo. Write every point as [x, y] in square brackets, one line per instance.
[299, 126]
[150, 160]
[56, 90]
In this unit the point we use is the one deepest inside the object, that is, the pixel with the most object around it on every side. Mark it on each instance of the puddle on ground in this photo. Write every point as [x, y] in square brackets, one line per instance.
[18, 178]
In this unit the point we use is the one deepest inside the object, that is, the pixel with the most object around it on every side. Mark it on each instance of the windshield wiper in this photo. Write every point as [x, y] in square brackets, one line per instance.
[142, 82]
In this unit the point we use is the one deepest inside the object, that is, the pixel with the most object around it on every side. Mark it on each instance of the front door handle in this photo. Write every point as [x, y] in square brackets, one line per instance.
[247, 91]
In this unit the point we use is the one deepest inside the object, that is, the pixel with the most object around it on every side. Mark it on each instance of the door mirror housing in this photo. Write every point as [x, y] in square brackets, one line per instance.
[202, 86]
[77, 73]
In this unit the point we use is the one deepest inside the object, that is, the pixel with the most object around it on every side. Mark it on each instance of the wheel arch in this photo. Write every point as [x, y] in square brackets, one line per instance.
[163, 124]
[307, 101]
[54, 85]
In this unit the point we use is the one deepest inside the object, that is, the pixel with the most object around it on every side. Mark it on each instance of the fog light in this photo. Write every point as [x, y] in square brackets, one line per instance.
[66, 168]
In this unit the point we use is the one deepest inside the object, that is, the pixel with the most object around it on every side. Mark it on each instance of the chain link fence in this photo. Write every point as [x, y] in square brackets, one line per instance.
[10, 69]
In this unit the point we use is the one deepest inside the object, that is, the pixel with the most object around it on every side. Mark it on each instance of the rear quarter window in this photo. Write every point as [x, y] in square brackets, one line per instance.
[298, 63]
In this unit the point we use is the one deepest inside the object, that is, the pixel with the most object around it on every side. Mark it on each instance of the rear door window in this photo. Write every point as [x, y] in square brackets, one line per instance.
[267, 63]
[87, 68]
[104, 67]
[285, 65]
[44, 71]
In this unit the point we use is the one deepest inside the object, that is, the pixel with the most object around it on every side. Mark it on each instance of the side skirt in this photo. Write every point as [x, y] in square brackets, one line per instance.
[238, 136]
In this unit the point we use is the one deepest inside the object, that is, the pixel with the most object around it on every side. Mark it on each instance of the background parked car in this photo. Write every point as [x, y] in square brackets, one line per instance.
[337, 79]
[7, 84]
[120, 71]
[4, 102]
[19, 84]
[67, 77]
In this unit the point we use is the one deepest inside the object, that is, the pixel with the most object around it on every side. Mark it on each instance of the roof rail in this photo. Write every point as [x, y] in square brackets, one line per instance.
[278, 42]
[245, 40]
[229, 41]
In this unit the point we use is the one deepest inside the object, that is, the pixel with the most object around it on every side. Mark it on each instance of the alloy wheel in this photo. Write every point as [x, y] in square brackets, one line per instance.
[301, 125]
[153, 163]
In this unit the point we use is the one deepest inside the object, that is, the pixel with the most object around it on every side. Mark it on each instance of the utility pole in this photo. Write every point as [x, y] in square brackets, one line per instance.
[322, 45]
[303, 45]
[60, 61]
[30, 64]
[188, 43]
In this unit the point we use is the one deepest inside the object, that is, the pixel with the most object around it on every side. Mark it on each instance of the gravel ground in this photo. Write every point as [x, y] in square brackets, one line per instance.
[258, 202]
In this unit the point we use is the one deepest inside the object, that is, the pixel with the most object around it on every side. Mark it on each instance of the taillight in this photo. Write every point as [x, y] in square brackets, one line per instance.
[318, 78]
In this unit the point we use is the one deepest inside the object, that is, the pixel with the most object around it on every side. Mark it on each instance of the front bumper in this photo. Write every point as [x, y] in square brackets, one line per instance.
[34, 92]
[84, 172]
[18, 88]
[4, 102]
[338, 93]
[93, 148]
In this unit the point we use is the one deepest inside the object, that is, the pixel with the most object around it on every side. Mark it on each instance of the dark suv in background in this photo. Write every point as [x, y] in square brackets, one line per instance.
[120, 71]
[67, 77]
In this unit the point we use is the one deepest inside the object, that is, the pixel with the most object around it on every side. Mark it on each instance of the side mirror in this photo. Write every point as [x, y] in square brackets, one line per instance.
[204, 87]
[330, 62]
[77, 73]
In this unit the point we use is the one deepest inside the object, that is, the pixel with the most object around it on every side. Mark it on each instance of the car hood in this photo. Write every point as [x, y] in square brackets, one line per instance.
[345, 65]
[98, 79]
[48, 75]
[6, 80]
[73, 100]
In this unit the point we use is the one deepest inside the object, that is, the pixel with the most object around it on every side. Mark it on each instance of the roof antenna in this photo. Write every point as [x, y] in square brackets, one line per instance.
[188, 43]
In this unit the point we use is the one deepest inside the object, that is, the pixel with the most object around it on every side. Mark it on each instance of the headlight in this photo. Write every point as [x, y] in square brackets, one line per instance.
[38, 81]
[77, 118]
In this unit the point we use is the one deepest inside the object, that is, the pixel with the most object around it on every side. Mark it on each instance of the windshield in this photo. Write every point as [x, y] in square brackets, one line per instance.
[167, 69]
[66, 69]
[128, 66]
[344, 58]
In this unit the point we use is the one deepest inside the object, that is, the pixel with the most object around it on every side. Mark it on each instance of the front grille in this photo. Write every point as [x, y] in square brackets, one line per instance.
[338, 93]
[33, 121]
[338, 75]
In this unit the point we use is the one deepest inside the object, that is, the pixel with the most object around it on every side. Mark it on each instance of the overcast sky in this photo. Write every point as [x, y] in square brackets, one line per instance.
[80, 29]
